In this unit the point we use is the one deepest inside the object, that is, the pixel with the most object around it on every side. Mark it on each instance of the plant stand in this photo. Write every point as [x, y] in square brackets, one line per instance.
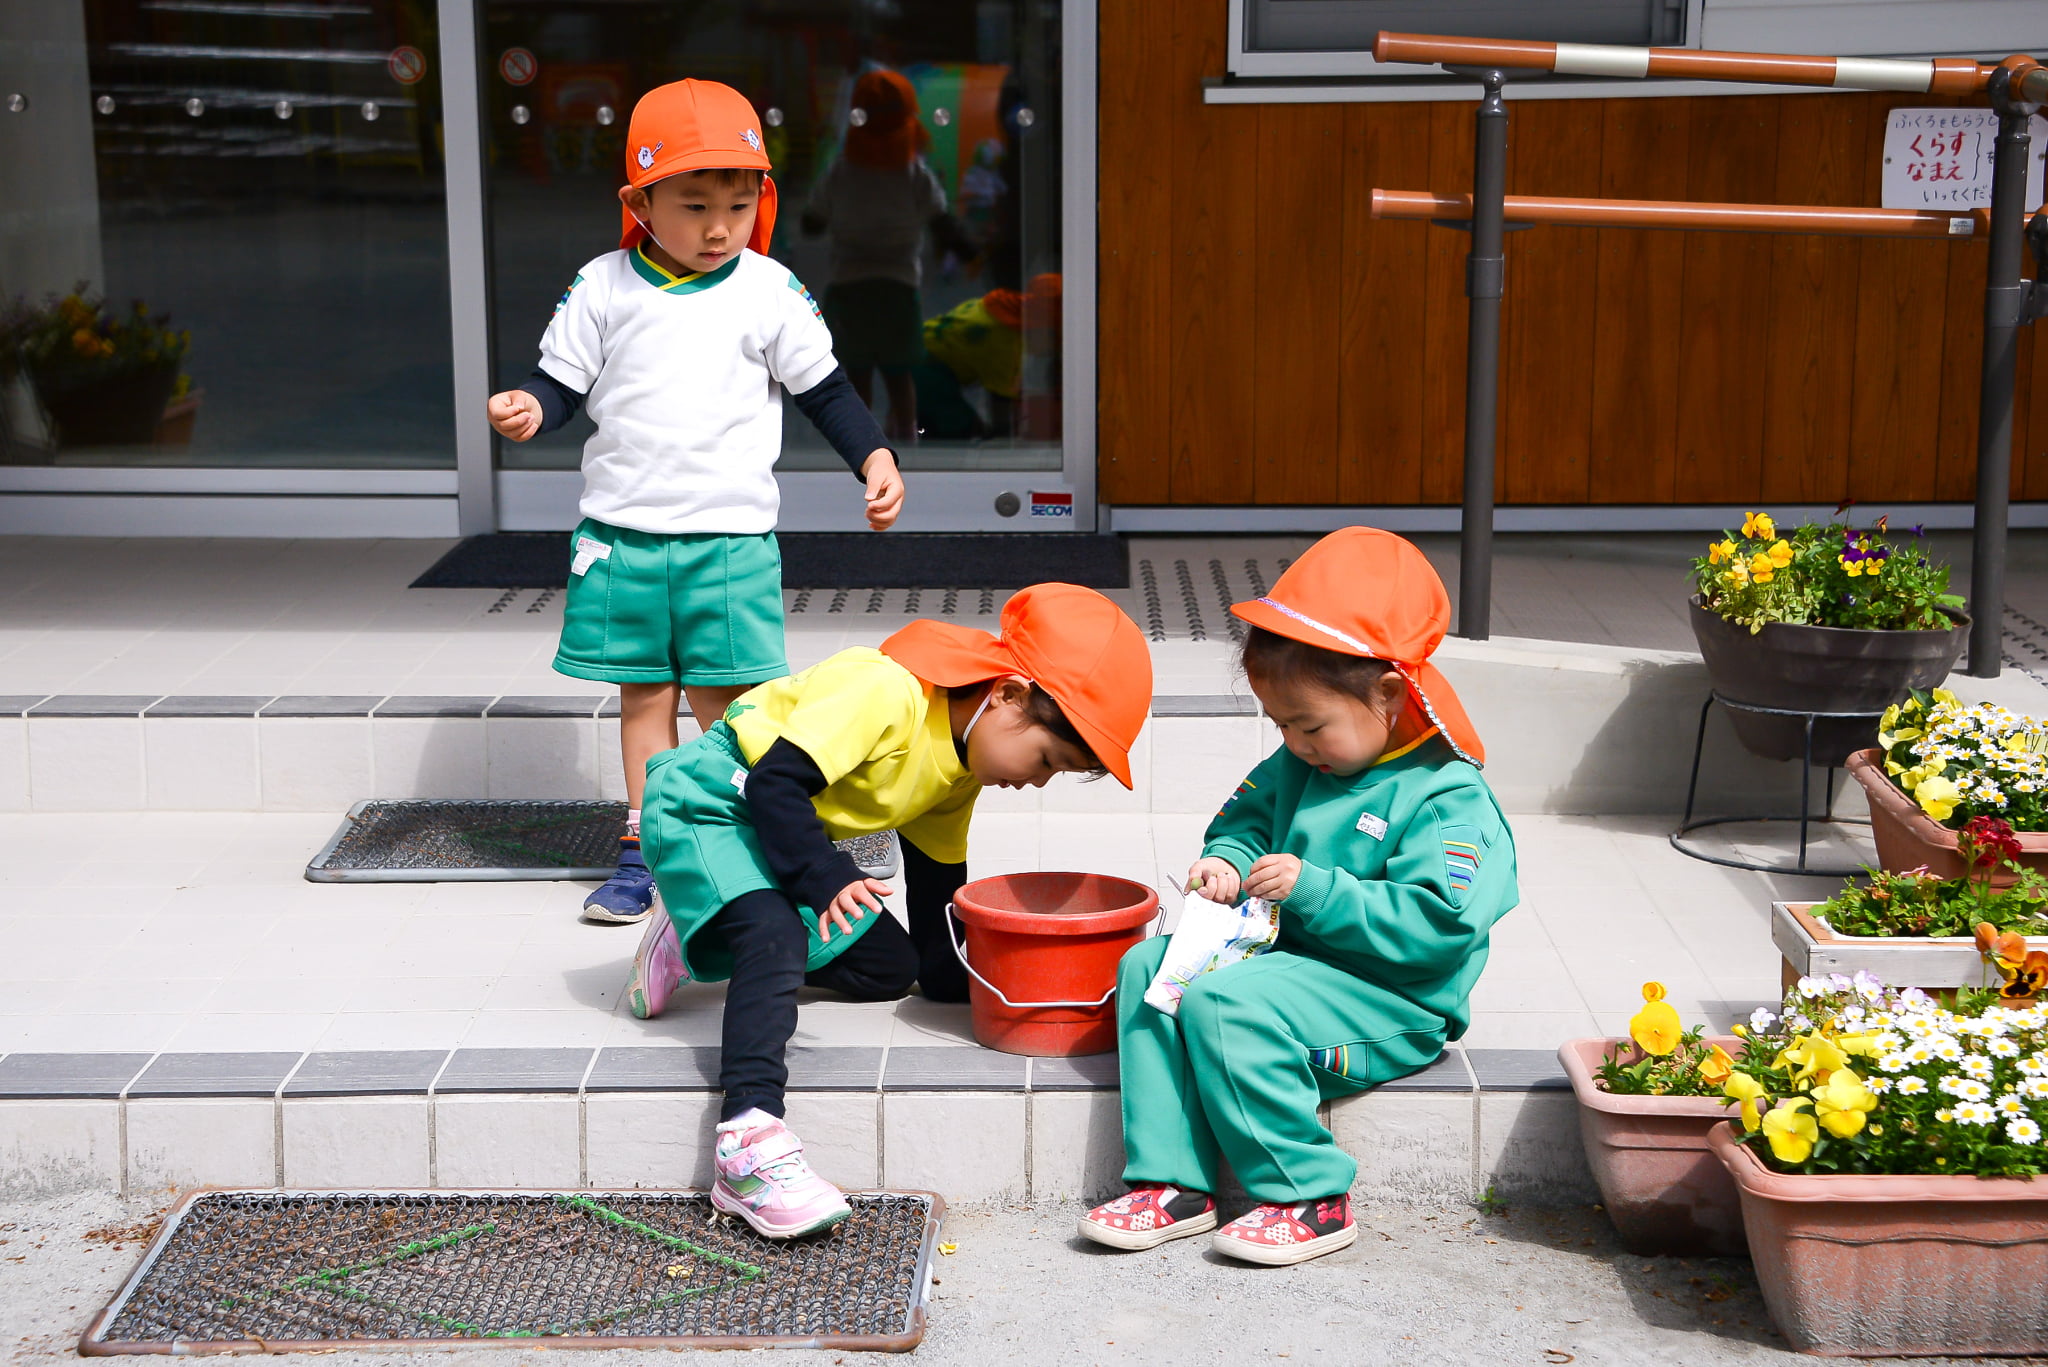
[1687, 824]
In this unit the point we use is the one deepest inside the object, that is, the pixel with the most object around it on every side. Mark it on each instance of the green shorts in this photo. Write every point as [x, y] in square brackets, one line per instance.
[697, 834]
[648, 607]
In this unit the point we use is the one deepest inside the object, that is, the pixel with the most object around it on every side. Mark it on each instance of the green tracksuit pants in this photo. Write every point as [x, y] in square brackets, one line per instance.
[1240, 1072]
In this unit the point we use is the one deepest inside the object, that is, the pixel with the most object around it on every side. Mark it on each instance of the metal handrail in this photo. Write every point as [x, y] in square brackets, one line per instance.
[1926, 75]
[1675, 214]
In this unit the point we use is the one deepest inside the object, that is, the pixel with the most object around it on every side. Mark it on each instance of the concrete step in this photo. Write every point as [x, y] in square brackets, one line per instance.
[971, 1124]
[1571, 729]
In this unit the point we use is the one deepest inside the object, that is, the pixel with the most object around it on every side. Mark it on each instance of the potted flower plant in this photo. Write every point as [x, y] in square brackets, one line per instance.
[1940, 763]
[1888, 1152]
[1917, 927]
[103, 377]
[1646, 1104]
[1829, 619]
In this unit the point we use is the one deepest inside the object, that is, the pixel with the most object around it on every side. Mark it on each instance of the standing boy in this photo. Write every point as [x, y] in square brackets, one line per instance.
[681, 343]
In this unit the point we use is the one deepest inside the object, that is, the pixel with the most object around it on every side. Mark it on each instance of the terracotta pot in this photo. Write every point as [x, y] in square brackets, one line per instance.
[1824, 669]
[1664, 1190]
[1906, 1266]
[1908, 838]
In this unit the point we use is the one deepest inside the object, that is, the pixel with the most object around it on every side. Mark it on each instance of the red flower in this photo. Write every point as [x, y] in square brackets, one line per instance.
[1991, 841]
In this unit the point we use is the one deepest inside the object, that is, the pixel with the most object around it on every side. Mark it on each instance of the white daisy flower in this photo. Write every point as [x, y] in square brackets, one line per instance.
[1912, 1086]
[1975, 1113]
[2010, 1104]
[2023, 1131]
[2001, 1047]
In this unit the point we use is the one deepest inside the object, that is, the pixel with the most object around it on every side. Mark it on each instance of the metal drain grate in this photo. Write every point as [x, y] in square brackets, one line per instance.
[289, 1271]
[454, 840]
[2025, 645]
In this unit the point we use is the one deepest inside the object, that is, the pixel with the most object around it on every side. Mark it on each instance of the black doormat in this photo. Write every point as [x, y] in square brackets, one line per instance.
[462, 840]
[827, 560]
[498, 840]
[272, 1271]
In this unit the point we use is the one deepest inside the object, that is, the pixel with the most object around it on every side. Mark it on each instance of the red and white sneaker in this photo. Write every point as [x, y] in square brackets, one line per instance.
[1148, 1217]
[1280, 1236]
[658, 968]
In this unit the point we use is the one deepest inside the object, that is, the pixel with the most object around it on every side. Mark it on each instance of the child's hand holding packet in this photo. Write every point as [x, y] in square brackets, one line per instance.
[1209, 936]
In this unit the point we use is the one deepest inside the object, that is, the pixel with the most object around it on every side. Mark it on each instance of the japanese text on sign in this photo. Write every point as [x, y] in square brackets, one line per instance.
[1941, 159]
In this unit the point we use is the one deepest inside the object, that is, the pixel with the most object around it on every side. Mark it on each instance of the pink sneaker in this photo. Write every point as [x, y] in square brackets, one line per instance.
[1280, 1236]
[658, 968]
[1147, 1217]
[763, 1179]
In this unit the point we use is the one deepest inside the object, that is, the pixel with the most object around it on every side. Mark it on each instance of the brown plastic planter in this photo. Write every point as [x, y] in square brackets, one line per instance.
[1663, 1188]
[1907, 838]
[1896, 1266]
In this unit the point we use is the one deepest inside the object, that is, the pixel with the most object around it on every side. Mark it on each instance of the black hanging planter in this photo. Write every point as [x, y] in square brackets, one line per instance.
[1818, 669]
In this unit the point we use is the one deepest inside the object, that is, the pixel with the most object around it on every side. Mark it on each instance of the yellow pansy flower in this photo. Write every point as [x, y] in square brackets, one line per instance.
[1943, 695]
[1813, 1057]
[1759, 525]
[1872, 567]
[1736, 575]
[1842, 1102]
[1937, 796]
[1720, 551]
[1791, 1132]
[1656, 1028]
[1717, 1067]
[1780, 553]
[1852, 568]
[1747, 1090]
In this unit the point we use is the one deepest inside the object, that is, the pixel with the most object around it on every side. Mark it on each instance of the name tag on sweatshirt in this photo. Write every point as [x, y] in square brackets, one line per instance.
[1374, 826]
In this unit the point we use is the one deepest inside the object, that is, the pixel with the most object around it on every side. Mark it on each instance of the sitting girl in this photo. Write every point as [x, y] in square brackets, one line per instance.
[1389, 860]
[739, 826]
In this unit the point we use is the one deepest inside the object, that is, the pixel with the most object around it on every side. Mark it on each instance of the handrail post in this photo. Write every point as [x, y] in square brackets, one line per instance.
[1485, 266]
[2005, 310]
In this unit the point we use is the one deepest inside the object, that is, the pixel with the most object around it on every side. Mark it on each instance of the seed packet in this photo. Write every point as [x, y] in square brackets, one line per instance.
[1210, 936]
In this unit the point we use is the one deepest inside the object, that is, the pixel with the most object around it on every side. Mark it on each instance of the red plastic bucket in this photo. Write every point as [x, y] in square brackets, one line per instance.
[1042, 951]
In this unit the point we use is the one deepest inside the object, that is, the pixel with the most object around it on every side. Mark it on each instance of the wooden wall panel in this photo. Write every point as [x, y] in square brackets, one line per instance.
[1547, 332]
[1443, 322]
[1264, 340]
[1381, 278]
[1219, 261]
[1727, 305]
[1809, 363]
[1294, 333]
[1645, 147]
[1134, 273]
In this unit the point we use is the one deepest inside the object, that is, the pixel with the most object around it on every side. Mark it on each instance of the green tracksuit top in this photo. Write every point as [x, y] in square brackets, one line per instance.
[1404, 868]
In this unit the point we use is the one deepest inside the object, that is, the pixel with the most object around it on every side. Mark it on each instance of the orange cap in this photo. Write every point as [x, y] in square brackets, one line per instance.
[1070, 641]
[695, 126]
[1362, 591]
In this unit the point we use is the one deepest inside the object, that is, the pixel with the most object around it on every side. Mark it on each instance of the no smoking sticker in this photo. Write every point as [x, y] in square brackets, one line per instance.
[518, 66]
[407, 64]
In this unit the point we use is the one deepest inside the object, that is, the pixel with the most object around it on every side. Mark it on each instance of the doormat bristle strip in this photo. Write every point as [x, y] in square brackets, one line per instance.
[273, 1271]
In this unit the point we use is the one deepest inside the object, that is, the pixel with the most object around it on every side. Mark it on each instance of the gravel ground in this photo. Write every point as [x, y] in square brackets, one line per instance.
[1420, 1286]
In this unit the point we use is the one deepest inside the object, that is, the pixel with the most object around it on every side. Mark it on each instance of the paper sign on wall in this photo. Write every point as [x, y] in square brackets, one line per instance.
[1941, 159]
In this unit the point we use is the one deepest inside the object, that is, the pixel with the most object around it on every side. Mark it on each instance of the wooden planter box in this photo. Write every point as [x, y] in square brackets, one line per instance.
[1930, 963]
[1877, 1266]
[1907, 838]
[1661, 1185]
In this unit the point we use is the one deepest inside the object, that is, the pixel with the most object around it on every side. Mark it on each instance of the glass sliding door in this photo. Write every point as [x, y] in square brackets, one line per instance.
[952, 327]
[225, 236]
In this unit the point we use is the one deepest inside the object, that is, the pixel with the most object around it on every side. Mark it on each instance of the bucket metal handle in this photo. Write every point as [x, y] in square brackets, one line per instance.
[960, 952]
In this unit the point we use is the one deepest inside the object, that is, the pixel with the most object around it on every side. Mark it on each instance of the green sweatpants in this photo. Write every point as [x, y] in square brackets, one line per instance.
[1240, 1072]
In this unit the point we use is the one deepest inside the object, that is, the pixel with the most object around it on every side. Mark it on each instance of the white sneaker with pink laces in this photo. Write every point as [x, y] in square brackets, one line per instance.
[658, 967]
[763, 1179]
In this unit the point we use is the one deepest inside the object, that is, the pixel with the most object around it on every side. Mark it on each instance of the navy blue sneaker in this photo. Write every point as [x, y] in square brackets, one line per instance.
[628, 895]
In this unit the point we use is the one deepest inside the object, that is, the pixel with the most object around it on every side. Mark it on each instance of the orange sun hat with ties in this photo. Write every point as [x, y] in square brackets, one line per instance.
[1070, 641]
[1363, 591]
[695, 126]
